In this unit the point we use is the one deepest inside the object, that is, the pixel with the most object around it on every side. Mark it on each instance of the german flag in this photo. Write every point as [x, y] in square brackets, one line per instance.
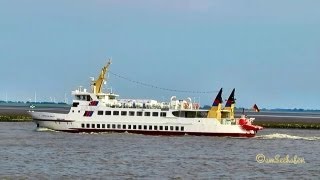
[255, 108]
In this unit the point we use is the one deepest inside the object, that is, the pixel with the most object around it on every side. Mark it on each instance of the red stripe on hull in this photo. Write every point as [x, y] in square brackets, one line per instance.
[160, 133]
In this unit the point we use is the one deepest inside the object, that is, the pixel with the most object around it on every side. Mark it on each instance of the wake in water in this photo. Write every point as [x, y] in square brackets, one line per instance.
[286, 136]
[42, 129]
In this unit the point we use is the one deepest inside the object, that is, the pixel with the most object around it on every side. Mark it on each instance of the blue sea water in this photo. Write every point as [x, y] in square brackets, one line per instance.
[30, 153]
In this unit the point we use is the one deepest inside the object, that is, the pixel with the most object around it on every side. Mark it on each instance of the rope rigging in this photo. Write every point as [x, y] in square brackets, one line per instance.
[161, 88]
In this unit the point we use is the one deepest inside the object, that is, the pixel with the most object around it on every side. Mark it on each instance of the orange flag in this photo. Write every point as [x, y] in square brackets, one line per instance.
[255, 108]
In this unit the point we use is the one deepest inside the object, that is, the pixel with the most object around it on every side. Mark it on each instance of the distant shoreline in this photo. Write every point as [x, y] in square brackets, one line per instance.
[266, 119]
[15, 118]
[288, 125]
[265, 124]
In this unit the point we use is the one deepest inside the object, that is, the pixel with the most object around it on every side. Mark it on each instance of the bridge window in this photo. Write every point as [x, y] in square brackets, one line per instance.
[139, 113]
[146, 113]
[100, 112]
[75, 104]
[155, 114]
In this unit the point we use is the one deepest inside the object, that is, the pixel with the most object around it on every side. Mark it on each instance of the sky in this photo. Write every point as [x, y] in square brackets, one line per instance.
[269, 50]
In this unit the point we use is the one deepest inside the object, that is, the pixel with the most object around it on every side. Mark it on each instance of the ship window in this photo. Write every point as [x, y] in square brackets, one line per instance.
[79, 111]
[124, 127]
[98, 125]
[100, 112]
[191, 114]
[182, 128]
[82, 125]
[115, 113]
[145, 127]
[177, 128]
[75, 104]
[73, 111]
[156, 114]
[113, 126]
[161, 128]
[103, 126]
[146, 113]
[134, 126]
[150, 127]
[140, 127]
[108, 112]
[155, 127]
[129, 126]
[108, 126]
[93, 126]
[171, 128]
[139, 113]
[166, 128]
[131, 113]
[119, 126]
[88, 125]
[163, 114]
[123, 113]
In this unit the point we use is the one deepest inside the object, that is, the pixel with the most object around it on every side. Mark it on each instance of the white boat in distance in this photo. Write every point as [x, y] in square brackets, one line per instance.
[97, 111]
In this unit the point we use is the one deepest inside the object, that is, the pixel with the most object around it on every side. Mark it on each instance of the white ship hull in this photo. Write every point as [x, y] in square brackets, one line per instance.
[76, 122]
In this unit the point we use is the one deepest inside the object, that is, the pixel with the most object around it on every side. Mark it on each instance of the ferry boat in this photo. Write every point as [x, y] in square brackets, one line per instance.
[96, 111]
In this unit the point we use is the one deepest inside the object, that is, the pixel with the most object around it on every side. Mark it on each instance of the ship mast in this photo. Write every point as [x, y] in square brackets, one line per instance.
[97, 84]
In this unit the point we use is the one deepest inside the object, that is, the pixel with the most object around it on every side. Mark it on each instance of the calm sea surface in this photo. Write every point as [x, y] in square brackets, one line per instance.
[27, 153]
